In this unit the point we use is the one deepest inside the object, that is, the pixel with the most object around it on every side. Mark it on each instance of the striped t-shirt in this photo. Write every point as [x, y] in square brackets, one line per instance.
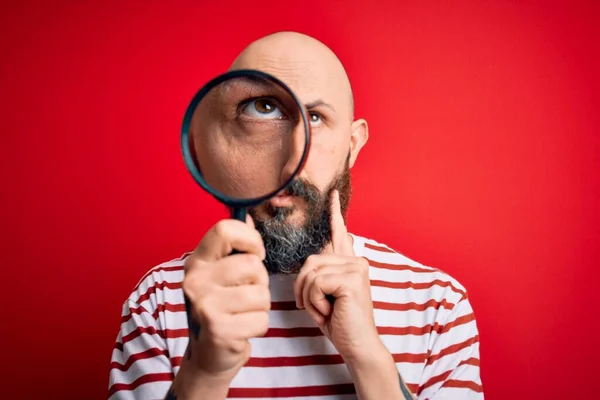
[423, 316]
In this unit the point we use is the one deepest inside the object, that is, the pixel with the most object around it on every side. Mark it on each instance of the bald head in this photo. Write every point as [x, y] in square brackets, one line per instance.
[309, 67]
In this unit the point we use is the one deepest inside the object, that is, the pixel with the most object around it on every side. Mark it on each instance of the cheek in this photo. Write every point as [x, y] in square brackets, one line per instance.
[325, 159]
[320, 168]
[237, 174]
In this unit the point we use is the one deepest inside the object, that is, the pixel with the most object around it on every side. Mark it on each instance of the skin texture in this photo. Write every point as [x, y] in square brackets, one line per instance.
[229, 293]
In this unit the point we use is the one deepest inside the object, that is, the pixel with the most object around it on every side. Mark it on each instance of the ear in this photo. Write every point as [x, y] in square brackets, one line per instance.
[358, 138]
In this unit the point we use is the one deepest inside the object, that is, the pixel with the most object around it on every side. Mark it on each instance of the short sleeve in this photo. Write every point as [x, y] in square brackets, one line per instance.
[140, 367]
[452, 368]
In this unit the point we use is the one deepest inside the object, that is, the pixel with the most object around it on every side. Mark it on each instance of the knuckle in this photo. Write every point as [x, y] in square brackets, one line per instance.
[247, 259]
[253, 260]
[204, 310]
[195, 284]
[317, 281]
[364, 266]
[312, 260]
[236, 346]
[191, 263]
[355, 280]
[215, 328]
[221, 342]
[189, 285]
[221, 229]
[363, 262]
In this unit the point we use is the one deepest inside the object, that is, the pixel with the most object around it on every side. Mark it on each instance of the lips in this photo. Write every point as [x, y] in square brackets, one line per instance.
[282, 200]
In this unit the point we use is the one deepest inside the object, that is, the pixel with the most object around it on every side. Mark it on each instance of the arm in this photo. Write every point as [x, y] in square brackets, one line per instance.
[192, 384]
[452, 369]
[375, 376]
[140, 366]
[189, 382]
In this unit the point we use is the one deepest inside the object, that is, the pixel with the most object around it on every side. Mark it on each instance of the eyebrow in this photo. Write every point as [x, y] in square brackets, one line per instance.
[263, 82]
[267, 83]
[318, 103]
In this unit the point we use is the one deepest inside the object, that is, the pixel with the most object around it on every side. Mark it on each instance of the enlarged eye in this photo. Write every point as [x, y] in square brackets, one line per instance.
[262, 108]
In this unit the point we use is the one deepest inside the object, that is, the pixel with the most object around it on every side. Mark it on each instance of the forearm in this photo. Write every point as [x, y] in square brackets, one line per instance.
[375, 377]
[192, 384]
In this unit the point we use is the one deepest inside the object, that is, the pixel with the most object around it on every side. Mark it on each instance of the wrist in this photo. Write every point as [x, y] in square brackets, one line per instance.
[375, 375]
[367, 354]
[193, 383]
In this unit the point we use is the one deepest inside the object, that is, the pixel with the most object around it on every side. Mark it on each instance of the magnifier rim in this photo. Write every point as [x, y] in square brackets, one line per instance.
[185, 133]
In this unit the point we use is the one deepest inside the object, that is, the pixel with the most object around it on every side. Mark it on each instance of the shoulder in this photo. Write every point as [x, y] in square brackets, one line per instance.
[159, 285]
[394, 270]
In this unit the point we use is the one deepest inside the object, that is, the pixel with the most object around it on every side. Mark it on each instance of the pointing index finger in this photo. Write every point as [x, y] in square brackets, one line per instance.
[339, 234]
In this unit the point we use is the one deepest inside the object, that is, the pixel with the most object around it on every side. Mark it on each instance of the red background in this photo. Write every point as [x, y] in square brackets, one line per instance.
[483, 161]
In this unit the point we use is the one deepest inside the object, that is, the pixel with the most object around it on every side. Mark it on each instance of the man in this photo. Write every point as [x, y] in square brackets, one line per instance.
[395, 330]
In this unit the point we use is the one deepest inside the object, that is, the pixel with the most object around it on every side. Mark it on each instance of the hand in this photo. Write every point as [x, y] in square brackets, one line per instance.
[229, 295]
[335, 290]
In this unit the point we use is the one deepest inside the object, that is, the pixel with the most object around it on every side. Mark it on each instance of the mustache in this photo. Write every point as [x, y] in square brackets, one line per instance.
[303, 189]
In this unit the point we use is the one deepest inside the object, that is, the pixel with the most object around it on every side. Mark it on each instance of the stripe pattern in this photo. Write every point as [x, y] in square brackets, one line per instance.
[423, 316]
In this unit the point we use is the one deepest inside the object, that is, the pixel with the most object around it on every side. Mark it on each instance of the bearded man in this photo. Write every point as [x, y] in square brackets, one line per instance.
[396, 329]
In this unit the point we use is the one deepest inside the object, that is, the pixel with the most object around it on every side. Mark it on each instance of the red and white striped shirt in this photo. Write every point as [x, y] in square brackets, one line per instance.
[423, 316]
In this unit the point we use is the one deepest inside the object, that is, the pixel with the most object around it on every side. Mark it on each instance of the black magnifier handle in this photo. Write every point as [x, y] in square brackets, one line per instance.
[238, 213]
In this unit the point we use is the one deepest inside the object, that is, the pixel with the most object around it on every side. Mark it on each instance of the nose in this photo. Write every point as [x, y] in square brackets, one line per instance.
[298, 145]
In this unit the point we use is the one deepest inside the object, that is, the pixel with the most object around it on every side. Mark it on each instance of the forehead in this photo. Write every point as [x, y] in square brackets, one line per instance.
[310, 81]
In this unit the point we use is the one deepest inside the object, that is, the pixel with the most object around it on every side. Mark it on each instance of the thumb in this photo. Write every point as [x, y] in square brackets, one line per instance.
[250, 221]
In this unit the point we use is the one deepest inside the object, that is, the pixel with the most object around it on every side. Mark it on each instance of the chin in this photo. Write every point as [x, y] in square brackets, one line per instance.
[297, 217]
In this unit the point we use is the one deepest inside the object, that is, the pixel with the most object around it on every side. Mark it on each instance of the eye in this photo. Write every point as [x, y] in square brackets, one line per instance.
[315, 119]
[262, 108]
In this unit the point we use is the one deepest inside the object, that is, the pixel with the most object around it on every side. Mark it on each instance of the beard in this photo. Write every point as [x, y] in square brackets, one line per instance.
[288, 245]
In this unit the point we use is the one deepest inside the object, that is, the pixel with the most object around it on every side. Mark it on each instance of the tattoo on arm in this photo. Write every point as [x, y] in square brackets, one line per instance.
[171, 394]
[194, 332]
[403, 388]
[193, 327]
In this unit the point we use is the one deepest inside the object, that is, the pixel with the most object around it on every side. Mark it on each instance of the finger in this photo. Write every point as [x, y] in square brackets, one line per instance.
[323, 270]
[339, 234]
[329, 285]
[317, 297]
[315, 314]
[247, 325]
[242, 299]
[227, 235]
[240, 269]
[233, 271]
[250, 221]
[311, 263]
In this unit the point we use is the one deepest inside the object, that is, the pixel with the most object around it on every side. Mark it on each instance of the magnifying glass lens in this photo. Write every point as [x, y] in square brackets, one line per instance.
[247, 137]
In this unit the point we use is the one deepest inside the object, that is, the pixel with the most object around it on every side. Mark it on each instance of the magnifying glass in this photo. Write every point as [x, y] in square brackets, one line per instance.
[245, 137]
